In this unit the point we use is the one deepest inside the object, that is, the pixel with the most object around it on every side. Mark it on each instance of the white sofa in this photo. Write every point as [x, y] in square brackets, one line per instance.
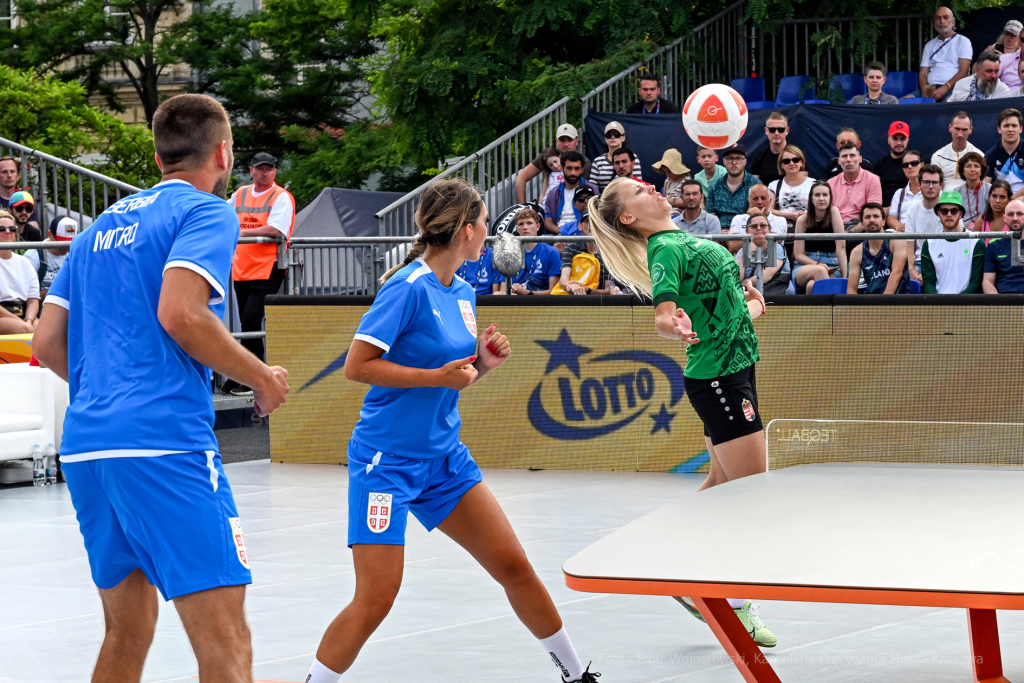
[33, 401]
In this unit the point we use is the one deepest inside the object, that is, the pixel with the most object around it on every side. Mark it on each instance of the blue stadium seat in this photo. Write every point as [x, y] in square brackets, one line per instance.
[900, 83]
[750, 89]
[766, 104]
[915, 287]
[918, 100]
[851, 85]
[833, 285]
[792, 89]
[816, 102]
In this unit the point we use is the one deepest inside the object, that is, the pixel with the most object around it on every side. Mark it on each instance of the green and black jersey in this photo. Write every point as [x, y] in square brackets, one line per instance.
[703, 279]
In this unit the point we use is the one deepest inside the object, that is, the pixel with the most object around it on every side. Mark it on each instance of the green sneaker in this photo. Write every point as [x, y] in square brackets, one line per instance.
[755, 627]
[690, 607]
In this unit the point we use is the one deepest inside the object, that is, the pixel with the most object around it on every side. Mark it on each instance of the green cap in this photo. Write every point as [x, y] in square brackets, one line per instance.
[950, 197]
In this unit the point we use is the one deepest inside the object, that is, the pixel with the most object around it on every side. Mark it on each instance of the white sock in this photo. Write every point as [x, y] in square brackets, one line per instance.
[318, 673]
[563, 654]
[736, 604]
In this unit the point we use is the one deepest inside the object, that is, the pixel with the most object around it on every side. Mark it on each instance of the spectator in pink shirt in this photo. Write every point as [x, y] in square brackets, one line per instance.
[854, 187]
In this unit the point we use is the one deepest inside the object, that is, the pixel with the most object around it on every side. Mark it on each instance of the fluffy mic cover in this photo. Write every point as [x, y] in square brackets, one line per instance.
[508, 254]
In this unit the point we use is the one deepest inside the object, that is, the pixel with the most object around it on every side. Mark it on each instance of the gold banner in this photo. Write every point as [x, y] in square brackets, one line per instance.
[597, 388]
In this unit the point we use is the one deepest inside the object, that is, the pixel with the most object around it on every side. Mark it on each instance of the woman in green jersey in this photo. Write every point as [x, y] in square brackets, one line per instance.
[700, 300]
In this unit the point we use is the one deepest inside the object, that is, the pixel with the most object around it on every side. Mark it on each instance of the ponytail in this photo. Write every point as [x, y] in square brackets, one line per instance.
[624, 251]
[446, 206]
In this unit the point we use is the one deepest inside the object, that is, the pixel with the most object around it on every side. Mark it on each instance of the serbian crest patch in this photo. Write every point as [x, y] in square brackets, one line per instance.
[378, 512]
[467, 316]
[239, 539]
[748, 410]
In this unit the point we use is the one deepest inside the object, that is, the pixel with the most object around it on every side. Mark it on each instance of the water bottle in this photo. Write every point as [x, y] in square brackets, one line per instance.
[38, 467]
[51, 464]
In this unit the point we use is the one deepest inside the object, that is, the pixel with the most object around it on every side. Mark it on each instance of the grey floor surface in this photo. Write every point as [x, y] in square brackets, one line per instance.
[451, 623]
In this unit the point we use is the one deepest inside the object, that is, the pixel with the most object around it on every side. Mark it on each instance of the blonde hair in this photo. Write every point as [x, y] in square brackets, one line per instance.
[792, 149]
[7, 214]
[445, 208]
[624, 251]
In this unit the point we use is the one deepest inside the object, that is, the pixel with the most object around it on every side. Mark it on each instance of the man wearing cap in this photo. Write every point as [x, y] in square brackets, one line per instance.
[765, 164]
[1001, 276]
[62, 229]
[947, 158]
[984, 84]
[952, 266]
[23, 208]
[10, 175]
[1009, 62]
[559, 207]
[265, 209]
[579, 202]
[567, 139]
[603, 170]
[650, 98]
[727, 198]
[694, 219]
[889, 168]
[946, 59]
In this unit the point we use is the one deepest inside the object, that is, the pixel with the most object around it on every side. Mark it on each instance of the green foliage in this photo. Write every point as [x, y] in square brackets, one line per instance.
[55, 117]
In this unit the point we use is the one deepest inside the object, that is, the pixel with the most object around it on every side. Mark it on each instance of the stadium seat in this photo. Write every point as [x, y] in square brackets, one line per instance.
[918, 100]
[833, 285]
[765, 104]
[750, 89]
[915, 287]
[816, 102]
[900, 83]
[792, 89]
[851, 85]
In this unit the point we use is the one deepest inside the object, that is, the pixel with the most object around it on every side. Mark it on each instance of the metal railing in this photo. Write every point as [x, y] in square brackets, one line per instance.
[62, 188]
[791, 48]
[713, 52]
[493, 169]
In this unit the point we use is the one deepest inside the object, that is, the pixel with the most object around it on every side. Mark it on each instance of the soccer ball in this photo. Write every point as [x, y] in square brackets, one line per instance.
[715, 116]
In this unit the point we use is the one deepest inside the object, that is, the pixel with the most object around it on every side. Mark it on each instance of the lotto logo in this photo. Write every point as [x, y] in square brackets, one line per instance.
[378, 512]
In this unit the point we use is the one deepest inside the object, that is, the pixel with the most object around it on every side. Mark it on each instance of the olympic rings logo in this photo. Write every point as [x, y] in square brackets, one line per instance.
[380, 498]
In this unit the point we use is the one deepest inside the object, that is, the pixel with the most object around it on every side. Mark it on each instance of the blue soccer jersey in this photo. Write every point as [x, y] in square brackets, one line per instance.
[480, 273]
[419, 323]
[134, 391]
[539, 264]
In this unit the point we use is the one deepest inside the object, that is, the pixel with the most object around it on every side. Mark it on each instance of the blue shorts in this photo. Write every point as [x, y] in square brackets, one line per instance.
[383, 489]
[172, 516]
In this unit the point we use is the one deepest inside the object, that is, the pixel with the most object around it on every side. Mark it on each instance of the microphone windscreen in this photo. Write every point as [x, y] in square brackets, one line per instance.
[508, 254]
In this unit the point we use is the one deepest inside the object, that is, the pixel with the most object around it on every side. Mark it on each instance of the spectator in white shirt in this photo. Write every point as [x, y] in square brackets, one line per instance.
[983, 85]
[793, 190]
[19, 285]
[905, 196]
[947, 158]
[946, 59]
[1009, 62]
[921, 217]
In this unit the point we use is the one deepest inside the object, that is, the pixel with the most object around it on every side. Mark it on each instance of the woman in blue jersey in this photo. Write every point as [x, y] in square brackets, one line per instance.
[417, 347]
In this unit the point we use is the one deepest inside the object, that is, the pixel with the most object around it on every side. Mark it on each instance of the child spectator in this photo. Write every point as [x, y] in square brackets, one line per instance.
[552, 169]
[675, 171]
[542, 265]
[711, 171]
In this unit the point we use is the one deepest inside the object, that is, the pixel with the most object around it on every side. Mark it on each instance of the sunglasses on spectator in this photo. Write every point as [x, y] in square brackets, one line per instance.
[613, 134]
[949, 211]
[911, 164]
[775, 129]
[931, 183]
[23, 207]
[791, 160]
[8, 228]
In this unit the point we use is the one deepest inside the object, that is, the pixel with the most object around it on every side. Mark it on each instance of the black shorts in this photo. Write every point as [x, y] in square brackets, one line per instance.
[726, 405]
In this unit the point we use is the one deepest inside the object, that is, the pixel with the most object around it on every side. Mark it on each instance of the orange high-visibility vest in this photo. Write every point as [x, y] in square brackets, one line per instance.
[256, 261]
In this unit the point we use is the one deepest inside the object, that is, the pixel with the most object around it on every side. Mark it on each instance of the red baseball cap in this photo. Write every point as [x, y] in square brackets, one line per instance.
[899, 127]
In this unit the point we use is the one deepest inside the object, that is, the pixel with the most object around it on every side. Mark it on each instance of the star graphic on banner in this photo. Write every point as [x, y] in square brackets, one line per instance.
[662, 420]
[563, 352]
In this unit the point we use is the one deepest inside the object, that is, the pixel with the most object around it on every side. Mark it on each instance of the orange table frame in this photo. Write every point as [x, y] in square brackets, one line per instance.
[751, 662]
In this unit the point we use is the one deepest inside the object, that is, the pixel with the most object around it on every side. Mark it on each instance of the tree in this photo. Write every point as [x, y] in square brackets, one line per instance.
[81, 40]
[55, 117]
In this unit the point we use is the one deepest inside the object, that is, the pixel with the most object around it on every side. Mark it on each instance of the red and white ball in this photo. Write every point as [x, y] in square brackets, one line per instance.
[715, 116]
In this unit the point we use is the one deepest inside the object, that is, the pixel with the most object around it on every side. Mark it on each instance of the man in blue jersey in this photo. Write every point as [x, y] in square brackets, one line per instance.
[133, 322]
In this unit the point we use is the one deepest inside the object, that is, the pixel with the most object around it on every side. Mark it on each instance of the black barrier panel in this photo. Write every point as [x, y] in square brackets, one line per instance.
[812, 128]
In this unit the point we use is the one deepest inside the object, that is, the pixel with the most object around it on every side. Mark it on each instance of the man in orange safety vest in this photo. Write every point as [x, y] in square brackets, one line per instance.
[265, 209]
